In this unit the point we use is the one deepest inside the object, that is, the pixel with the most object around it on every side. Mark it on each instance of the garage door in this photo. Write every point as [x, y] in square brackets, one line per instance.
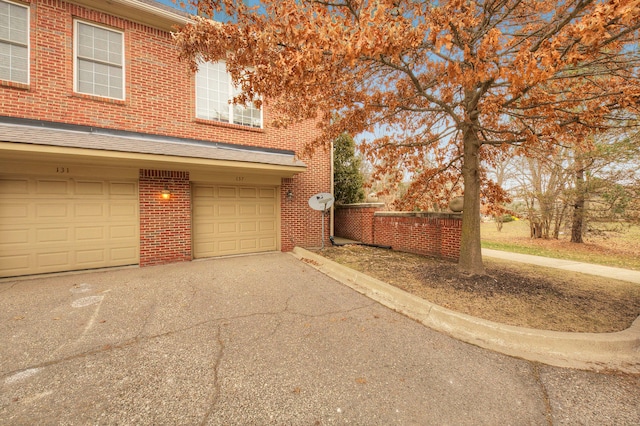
[53, 224]
[233, 220]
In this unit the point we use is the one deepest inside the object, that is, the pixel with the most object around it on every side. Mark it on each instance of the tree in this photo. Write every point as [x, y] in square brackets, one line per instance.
[603, 181]
[347, 178]
[501, 171]
[579, 186]
[454, 81]
[579, 204]
[543, 185]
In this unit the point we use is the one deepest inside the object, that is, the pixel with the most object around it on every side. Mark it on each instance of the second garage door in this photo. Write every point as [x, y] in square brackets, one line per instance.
[234, 219]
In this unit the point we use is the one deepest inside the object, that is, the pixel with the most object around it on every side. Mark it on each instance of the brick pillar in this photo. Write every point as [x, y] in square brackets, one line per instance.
[355, 221]
[289, 219]
[165, 224]
[451, 234]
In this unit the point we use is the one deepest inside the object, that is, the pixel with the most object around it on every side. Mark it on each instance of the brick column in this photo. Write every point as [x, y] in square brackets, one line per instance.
[165, 224]
[355, 221]
[289, 216]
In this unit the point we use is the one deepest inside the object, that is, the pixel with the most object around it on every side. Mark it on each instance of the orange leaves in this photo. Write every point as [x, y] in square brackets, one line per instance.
[446, 41]
[420, 74]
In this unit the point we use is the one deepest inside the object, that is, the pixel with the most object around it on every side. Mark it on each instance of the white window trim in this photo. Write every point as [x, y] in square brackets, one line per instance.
[76, 35]
[28, 42]
[230, 92]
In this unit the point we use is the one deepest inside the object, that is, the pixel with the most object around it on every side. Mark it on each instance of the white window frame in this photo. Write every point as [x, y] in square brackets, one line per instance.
[76, 58]
[28, 45]
[231, 92]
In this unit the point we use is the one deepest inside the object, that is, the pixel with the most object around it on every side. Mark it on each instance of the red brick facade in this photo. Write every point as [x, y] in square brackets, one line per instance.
[165, 224]
[302, 226]
[159, 100]
[159, 90]
[430, 234]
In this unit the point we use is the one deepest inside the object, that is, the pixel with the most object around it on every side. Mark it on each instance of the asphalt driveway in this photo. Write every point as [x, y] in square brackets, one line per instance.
[263, 339]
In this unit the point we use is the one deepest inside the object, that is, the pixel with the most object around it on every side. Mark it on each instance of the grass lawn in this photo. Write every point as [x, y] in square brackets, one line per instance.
[619, 249]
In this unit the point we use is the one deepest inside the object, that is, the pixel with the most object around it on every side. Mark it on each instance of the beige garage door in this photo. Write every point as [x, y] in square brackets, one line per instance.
[53, 224]
[233, 220]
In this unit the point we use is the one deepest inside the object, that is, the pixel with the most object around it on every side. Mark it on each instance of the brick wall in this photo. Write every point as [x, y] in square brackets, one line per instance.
[430, 234]
[159, 89]
[302, 226]
[355, 221]
[165, 224]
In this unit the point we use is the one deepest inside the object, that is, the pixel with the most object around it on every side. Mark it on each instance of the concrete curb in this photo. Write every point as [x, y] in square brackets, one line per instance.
[618, 351]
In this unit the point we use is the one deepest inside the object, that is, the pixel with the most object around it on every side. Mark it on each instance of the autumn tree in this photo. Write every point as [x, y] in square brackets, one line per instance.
[454, 81]
[347, 177]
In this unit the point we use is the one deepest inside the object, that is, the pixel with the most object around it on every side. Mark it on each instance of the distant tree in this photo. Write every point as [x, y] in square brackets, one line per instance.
[604, 180]
[499, 172]
[543, 183]
[575, 187]
[347, 177]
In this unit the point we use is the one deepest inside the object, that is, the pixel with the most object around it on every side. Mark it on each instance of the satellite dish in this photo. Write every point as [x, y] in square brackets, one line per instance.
[321, 201]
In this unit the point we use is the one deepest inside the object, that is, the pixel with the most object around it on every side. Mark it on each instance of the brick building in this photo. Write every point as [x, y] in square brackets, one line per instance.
[113, 153]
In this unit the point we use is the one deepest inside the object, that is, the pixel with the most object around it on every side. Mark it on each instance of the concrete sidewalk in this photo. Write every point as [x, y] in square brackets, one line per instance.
[568, 265]
[593, 351]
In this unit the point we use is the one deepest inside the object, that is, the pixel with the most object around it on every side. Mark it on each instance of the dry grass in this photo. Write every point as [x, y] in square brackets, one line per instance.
[618, 248]
[511, 293]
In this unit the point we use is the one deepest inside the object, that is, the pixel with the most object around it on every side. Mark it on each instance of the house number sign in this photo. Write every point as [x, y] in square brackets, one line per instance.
[62, 170]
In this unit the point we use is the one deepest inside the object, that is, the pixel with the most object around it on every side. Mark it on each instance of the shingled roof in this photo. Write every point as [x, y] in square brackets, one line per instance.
[129, 142]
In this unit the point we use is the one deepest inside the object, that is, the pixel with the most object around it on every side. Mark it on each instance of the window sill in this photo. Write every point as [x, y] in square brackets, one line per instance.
[229, 125]
[100, 98]
[15, 85]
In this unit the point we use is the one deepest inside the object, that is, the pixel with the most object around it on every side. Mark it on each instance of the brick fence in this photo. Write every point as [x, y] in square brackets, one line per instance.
[355, 221]
[426, 233]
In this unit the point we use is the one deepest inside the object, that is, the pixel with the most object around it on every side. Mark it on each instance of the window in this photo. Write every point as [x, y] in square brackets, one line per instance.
[14, 42]
[214, 90]
[99, 61]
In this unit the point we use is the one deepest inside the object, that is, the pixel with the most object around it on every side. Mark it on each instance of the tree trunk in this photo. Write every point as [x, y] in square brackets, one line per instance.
[470, 261]
[578, 207]
[535, 227]
[559, 220]
[499, 220]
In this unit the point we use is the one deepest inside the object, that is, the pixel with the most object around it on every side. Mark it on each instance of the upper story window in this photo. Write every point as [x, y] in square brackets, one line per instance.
[98, 61]
[14, 42]
[214, 90]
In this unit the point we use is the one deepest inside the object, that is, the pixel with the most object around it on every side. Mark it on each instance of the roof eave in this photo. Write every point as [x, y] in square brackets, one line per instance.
[139, 11]
[33, 152]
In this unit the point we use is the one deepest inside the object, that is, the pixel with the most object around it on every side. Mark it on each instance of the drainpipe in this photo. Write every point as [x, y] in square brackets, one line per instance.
[331, 213]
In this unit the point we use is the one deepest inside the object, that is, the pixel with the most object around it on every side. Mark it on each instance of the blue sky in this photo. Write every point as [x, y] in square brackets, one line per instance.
[171, 3]
[219, 18]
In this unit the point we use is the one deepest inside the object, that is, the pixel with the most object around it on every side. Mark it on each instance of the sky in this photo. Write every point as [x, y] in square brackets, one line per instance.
[168, 3]
[175, 5]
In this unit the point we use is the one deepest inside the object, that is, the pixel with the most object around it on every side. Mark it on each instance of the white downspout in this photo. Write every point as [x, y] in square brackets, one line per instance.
[331, 214]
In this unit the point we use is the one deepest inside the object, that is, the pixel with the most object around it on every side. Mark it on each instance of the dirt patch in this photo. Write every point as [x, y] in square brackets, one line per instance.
[511, 293]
